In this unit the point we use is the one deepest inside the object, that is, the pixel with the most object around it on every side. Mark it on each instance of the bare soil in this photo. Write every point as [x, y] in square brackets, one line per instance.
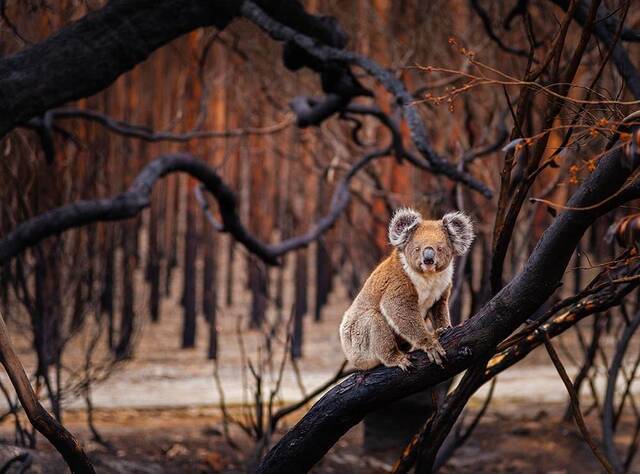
[190, 440]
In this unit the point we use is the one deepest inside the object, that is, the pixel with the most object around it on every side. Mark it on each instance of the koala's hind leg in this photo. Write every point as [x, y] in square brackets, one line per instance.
[385, 347]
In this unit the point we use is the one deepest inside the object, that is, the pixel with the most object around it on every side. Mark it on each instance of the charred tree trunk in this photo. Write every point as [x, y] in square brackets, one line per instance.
[209, 287]
[171, 232]
[106, 296]
[231, 247]
[46, 320]
[124, 349]
[300, 303]
[324, 274]
[324, 270]
[152, 272]
[77, 315]
[258, 288]
[189, 281]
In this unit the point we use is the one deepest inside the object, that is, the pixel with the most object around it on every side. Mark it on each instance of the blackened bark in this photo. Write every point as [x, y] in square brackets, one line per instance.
[88, 55]
[106, 295]
[90, 275]
[300, 303]
[189, 278]
[171, 232]
[129, 203]
[231, 253]
[77, 315]
[46, 320]
[210, 284]
[152, 272]
[258, 284]
[347, 403]
[324, 276]
[124, 348]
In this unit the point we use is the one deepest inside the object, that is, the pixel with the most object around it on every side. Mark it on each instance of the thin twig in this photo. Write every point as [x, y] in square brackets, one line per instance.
[575, 403]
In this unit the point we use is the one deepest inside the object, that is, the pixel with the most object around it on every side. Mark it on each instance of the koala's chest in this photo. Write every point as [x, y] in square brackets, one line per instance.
[431, 289]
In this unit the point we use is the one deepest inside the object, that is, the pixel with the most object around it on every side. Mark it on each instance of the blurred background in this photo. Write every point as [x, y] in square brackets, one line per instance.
[167, 346]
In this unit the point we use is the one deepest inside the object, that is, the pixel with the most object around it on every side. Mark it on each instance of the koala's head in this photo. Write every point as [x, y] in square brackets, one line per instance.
[429, 246]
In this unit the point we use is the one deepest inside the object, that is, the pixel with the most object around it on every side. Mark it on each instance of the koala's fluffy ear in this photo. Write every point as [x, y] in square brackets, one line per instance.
[459, 228]
[402, 223]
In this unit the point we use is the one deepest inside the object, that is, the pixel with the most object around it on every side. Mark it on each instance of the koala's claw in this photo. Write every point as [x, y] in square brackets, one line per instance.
[405, 364]
[435, 352]
[441, 330]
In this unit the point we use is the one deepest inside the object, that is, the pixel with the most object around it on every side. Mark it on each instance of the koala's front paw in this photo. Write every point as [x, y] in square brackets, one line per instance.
[405, 363]
[435, 351]
[439, 331]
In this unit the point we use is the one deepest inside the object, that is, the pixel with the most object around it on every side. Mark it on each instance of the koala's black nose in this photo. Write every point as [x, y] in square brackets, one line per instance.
[428, 256]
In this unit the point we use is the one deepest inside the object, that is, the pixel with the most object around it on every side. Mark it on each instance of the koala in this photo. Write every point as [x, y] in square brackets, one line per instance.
[388, 317]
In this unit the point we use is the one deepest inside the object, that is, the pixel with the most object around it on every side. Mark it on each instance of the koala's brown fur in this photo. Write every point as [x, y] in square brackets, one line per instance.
[409, 286]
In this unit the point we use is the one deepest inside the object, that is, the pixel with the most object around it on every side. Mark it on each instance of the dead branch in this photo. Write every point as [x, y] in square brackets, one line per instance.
[270, 252]
[348, 402]
[575, 404]
[327, 54]
[64, 442]
[142, 132]
[486, 23]
[91, 53]
[137, 198]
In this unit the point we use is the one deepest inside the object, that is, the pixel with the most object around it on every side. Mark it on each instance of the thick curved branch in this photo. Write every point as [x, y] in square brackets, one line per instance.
[341, 197]
[327, 54]
[129, 203]
[310, 111]
[126, 205]
[88, 55]
[348, 402]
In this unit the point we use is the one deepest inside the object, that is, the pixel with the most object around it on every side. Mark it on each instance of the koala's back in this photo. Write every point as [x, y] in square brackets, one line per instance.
[363, 325]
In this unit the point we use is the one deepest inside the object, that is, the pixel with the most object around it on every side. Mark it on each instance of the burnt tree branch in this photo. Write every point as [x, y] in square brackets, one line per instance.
[328, 55]
[142, 132]
[347, 403]
[603, 32]
[89, 54]
[60, 438]
[138, 197]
